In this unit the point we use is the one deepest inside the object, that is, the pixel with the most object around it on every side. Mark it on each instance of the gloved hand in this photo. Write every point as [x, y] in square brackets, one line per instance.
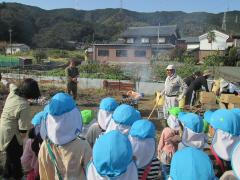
[180, 97]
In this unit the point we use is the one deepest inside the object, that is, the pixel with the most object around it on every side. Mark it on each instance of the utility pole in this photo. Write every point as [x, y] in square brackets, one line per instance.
[10, 39]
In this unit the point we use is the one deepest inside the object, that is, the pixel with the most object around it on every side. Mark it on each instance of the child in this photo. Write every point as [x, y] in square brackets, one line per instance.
[226, 127]
[191, 164]
[29, 158]
[142, 137]
[63, 154]
[123, 118]
[88, 120]
[112, 158]
[106, 108]
[192, 131]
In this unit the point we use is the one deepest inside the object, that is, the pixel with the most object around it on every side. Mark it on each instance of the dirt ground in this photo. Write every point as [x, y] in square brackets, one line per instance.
[90, 99]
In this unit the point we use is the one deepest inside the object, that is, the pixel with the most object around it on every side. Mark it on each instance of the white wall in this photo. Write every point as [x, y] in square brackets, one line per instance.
[220, 43]
[192, 46]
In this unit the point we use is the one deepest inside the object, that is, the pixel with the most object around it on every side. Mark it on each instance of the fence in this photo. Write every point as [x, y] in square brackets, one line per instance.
[84, 83]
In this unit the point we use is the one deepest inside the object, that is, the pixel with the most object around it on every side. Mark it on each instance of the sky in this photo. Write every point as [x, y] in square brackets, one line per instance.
[213, 6]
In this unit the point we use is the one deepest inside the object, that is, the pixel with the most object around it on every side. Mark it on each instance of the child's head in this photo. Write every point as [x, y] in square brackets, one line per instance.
[106, 108]
[87, 116]
[142, 137]
[191, 163]
[64, 121]
[112, 157]
[172, 120]
[226, 126]
[192, 130]
[123, 118]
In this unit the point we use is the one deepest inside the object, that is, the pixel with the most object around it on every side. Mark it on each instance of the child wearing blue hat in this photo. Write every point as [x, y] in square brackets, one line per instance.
[142, 137]
[191, 163]
[193, 135]
[63, 154]
[123, 118]
[106, 108]
[112, 158]
[226, 127]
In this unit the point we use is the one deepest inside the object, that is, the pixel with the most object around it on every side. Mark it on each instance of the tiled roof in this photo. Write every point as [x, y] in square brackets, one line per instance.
[150, 31]
[191, 39]
[160, 46]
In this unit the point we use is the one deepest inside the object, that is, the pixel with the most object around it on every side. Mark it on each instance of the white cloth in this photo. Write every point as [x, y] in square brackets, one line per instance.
[223, 144]
[193, 139]
[236, 160]
[64, 128]
[143, 150]
[104, 118]
[173, 122]
[115, 126]
[130, 174]
[169, 102]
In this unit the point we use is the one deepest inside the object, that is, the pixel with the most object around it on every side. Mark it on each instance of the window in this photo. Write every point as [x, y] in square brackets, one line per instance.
[140, 53]
[103, 52]
[121, 53]
[145, 40]
[130, 40]
[161, 40]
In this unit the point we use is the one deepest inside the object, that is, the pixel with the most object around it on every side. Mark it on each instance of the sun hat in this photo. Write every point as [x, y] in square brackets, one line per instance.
[191, 163]
[114, 160]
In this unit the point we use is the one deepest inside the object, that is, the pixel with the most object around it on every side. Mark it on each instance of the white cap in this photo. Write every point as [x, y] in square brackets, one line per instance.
[170, 67]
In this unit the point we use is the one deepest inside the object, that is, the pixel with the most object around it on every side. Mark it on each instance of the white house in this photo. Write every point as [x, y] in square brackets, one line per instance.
[191, 42]
[15, 48]
[219, 44]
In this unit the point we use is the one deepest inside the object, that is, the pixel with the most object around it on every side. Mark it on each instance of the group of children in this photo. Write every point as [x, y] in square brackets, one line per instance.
[67, 143]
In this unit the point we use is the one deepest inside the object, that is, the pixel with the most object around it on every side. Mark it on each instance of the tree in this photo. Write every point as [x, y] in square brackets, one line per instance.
[211, 36]
[39, 55]
[232, 57]
[3, 46]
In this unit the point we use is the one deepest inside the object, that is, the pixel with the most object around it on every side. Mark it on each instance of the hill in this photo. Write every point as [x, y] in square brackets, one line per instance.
[52, 28]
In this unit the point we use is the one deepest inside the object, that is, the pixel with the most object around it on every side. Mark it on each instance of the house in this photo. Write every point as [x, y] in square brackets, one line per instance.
[15, 48]
[208, 47]
[138, 44]
[192, 43]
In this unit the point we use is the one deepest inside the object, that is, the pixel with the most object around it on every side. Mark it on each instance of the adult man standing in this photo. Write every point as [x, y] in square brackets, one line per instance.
[174, 90]
[195, 86]
[72, 74]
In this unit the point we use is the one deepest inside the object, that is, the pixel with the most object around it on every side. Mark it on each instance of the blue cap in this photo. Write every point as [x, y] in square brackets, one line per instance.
[226, 120]
[114, 158]
[191, 163]
[192, 121]
[60, 104]
[207, 115]
[126, 115]
[236, 110]
[36, 120]
[108, 104]
[143, 129]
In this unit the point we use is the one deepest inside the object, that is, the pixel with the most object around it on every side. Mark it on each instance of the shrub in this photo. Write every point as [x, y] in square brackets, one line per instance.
[214, 60]
[189, 60]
